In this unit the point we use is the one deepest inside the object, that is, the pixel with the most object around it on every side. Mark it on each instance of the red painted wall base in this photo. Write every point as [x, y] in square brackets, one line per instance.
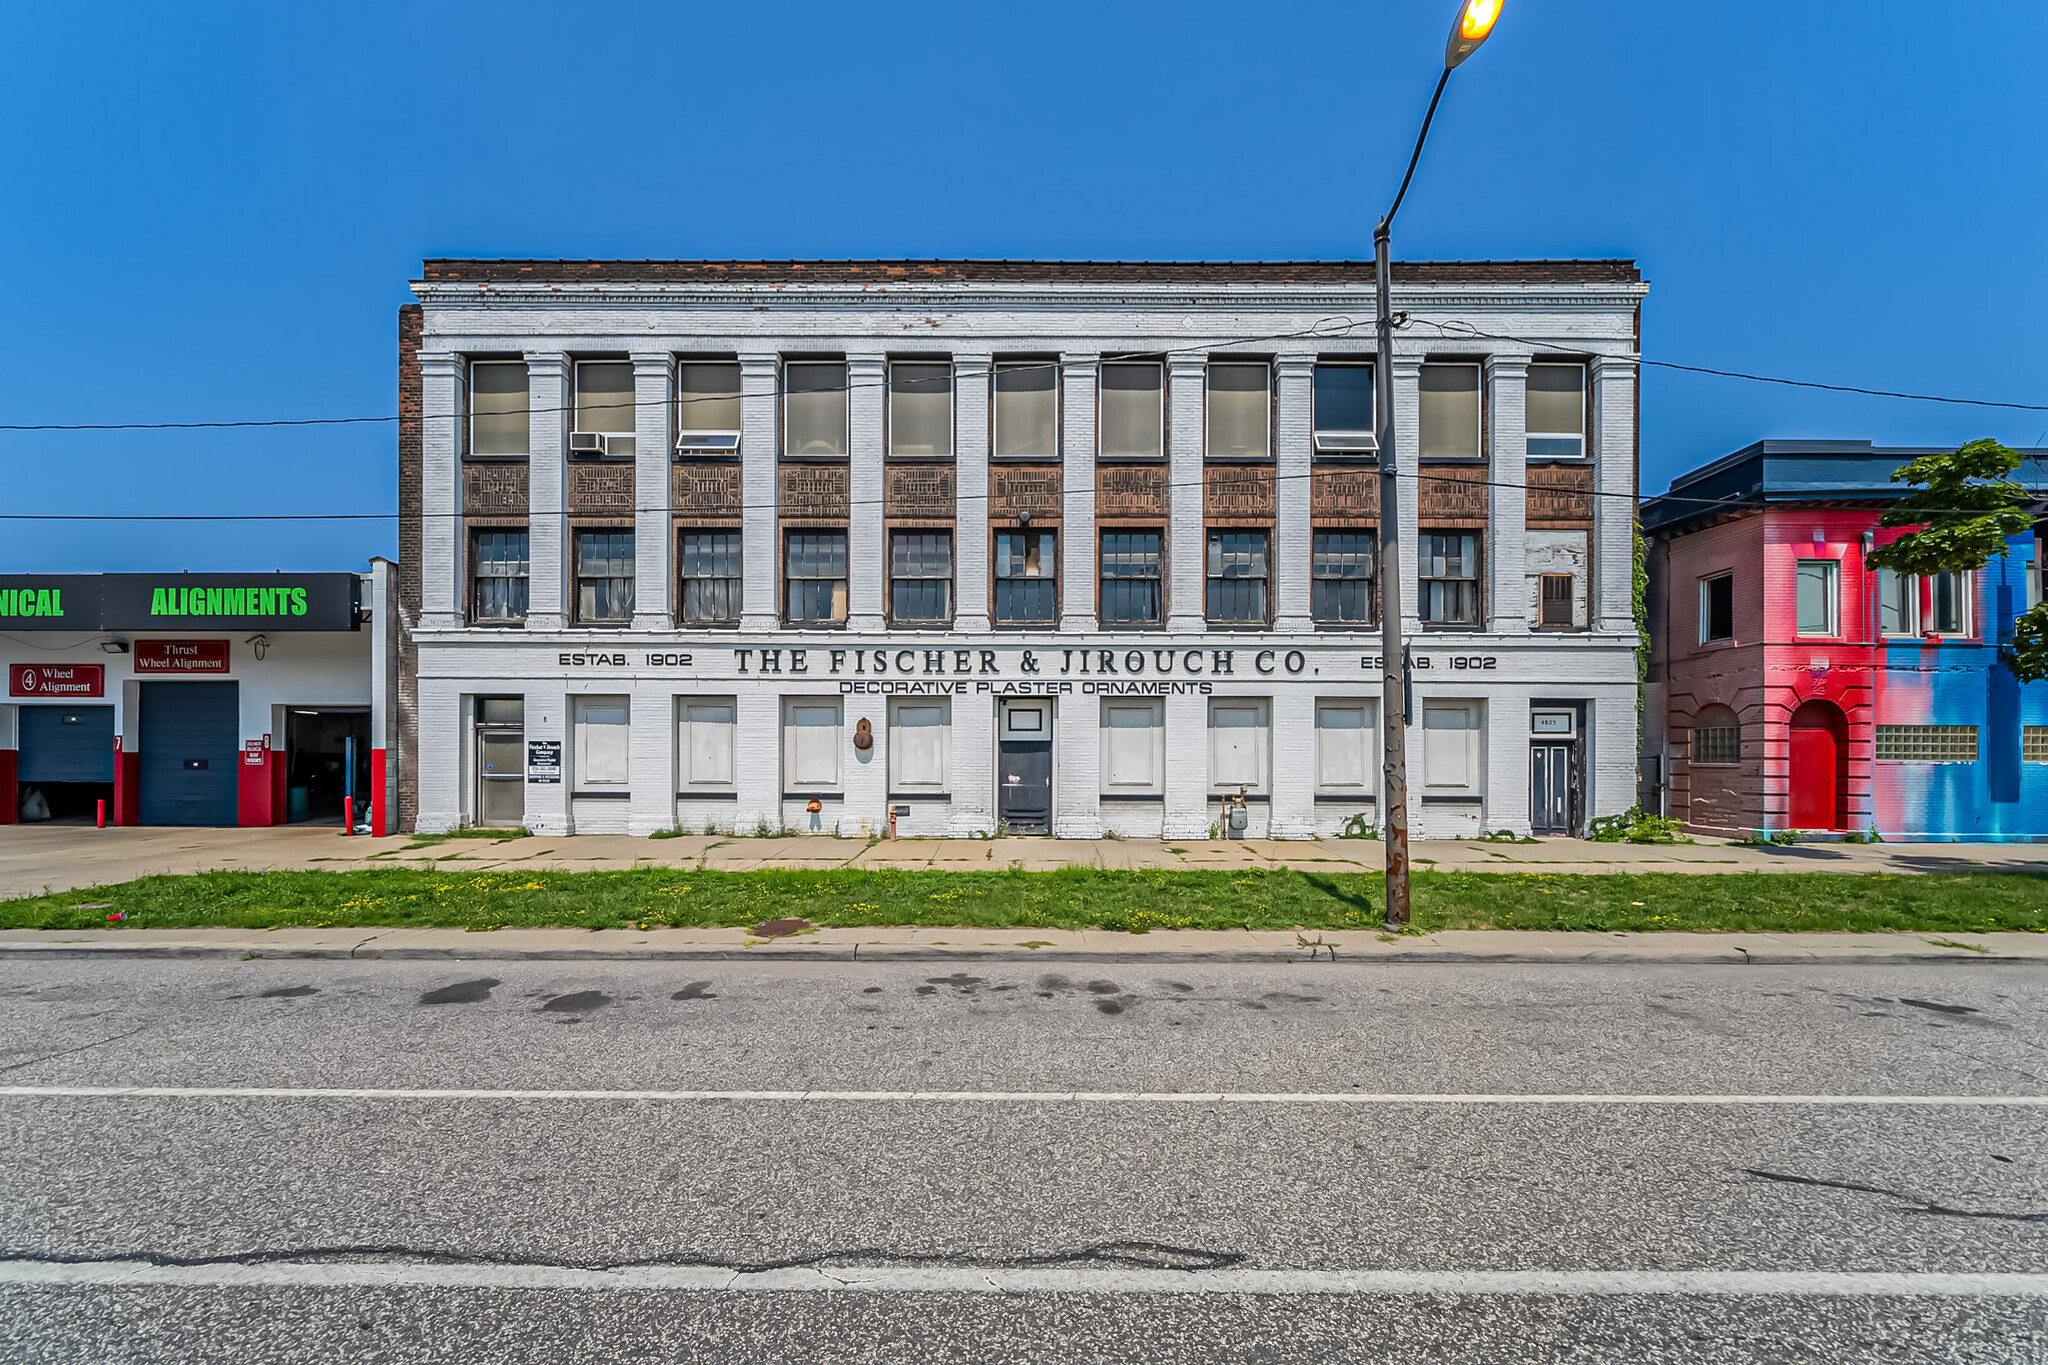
[377, 803]
[254, 805]
[127, 787]
[10, 795]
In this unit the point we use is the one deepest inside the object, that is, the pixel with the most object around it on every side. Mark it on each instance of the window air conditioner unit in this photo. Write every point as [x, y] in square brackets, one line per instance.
[708, 443]
[1347, 443]
[589, 443]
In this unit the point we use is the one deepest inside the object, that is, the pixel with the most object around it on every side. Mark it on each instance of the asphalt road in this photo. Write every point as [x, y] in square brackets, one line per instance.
[879, 1163]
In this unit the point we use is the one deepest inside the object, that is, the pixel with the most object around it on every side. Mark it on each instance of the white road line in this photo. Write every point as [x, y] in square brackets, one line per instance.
[936, 1280]
[263, 1092]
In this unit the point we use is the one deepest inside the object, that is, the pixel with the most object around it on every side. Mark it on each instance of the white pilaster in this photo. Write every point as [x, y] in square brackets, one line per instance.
[1294, 455]
[1507, 760]
[1185, 607]
[1077, 768]
[1507, 507]
[972, 778]
[652, 757]
[444, 760]
[441, 491]
[760, 553]
[1407, 441]
[547, 387]
[759, 717]
[970, 508]
[654, 540]
[866, 812]
[1187, 768]
[1613, 444]
[1077, 527]
[866, 550]
[1292, 779]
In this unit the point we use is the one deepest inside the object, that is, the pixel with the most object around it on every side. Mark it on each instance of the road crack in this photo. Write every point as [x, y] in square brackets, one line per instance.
[1917, 1204]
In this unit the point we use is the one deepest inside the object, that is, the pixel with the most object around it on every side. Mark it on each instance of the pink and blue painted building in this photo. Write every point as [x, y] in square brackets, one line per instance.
[1792, 688]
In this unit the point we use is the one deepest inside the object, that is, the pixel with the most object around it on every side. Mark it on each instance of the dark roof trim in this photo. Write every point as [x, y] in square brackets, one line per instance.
[450, 270]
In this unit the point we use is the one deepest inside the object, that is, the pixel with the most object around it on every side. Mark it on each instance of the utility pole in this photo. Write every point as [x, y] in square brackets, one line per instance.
[1475, 21]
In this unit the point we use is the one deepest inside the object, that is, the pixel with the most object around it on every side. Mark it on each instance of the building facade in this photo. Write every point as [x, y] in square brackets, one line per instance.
[186, 699]
[1061, 548]
[1792, 688]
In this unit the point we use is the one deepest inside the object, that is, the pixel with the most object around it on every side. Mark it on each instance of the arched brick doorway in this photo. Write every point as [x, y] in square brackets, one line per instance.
[1820, 751]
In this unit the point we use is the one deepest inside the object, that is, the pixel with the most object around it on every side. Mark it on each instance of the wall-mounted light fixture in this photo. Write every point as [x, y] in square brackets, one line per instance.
[259, 643]
[113, 646]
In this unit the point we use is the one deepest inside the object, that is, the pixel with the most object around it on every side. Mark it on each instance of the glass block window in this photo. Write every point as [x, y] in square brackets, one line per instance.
[920, 578]
[2034, 744]
[1131, 590]
[1237, 578]
[711, 578]
[1341, 577]
[1450, 578]
[1927, 743]
[502, 574]
[604, 578]
[814, 579]
[1027, 577]
[1716, 736]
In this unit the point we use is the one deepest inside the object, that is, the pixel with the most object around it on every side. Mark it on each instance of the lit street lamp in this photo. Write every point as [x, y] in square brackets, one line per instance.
[1475, 21]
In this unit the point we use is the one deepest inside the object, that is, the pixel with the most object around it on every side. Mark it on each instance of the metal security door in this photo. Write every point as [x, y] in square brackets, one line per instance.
[1551, 788]
[189, 752]
[67, 744]
[1024, 767]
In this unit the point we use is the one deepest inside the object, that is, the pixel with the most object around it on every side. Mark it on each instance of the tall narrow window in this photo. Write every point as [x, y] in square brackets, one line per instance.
[920, 408]
[1240, 410]
[1898, 603]
[708, 407]
[1449, 567]
[1027, 410]
[1130, 418]
[1556, 416]
[604, 409]
[711, 578]
[814, 407]
[499, 591]
[1130, 593]
[1344, 410]
[1237, 578]
[920, 578]
[1717, 608]
[499, 410]
[1948, 604]
[604, 578]
[1816, 594]
[1449, 402]
[814, 579]
[1027, 578]
[1341, 584]
[1555, 609]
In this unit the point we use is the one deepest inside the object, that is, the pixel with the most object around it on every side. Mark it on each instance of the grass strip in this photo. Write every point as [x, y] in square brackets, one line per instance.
[1071, 898]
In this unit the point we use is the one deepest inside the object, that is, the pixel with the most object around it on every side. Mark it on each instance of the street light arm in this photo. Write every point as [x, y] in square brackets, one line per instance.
[1387, 223]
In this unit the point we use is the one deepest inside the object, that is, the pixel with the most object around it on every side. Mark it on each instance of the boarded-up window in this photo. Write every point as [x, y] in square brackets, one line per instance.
[706, 744]
[810, 745]
[1133, 746]
[1237, 744]
[1450, 748]
[919, 733]
[1344, 748]
[603, 726]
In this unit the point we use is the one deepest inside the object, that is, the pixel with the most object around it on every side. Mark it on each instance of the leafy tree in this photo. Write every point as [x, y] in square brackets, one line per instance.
[1966, 507]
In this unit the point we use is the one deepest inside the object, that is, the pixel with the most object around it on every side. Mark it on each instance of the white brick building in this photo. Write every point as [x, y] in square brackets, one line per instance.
[1060, 547]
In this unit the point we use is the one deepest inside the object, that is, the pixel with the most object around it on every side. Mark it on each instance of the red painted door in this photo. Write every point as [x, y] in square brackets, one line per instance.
[1815, 765]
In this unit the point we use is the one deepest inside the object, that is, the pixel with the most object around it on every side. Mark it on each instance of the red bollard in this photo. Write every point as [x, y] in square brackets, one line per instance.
[348, 815]
[103, 814]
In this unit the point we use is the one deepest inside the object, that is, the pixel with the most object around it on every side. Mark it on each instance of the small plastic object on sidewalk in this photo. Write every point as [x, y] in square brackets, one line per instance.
[118, 914]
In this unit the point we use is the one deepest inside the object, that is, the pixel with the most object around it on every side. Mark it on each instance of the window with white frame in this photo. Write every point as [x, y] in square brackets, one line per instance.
[814, 408]
[1816, 597]
[810, 744]
[1130, 413]
[1898, 603]
[1346, 748]
[921, 407]
[1948, 603]
[500, 420]
[1240, 743]
[1450, 748]
[920, 744]
[705, 744]
[1556, 413]
[1448, 399]
[1133, 747]
[1240, 410]
[602, 727]
[1027, 416]
[708, 407]
[604, 408]
[1344, 410]
[1717, 607]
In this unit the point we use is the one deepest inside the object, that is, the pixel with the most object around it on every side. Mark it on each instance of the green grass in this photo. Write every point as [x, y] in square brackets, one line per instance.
[1073, 898]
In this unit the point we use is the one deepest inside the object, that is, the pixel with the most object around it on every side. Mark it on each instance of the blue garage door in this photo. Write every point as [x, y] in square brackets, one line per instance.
[67, 744]
[189, 731]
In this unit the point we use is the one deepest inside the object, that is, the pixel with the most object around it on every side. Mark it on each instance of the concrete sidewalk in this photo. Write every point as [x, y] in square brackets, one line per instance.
[1043, 945]
[39, 858]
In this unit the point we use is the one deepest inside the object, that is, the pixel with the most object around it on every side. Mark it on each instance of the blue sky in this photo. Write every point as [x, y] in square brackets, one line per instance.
[213, 210]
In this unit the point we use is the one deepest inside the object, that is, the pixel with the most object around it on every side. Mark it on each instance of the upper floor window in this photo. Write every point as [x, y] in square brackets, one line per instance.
[1557, 410]
[920, 578]
[1344, 410]
[708, 407]
[1898, 603]
[814, 578]
[1027, 578]
[604, 409]
[1131, 588]
[1237, 578]
[1130, 416]
[1449, 568]
[499, 410]
[500, 563]
[1240, 410]
[604, 578]
[814, 407]
[1341, 583]
[1717, 608]
[711, 578]
[1449, 403]
[1817, 597]
[1948, 604]
[1027, 410]
[1914, 606]
[920, 408]
[1555, 606]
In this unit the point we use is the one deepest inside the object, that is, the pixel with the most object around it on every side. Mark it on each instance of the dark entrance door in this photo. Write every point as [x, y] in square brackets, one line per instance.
[188, 752]
[1552, 788]
[1024, 767]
